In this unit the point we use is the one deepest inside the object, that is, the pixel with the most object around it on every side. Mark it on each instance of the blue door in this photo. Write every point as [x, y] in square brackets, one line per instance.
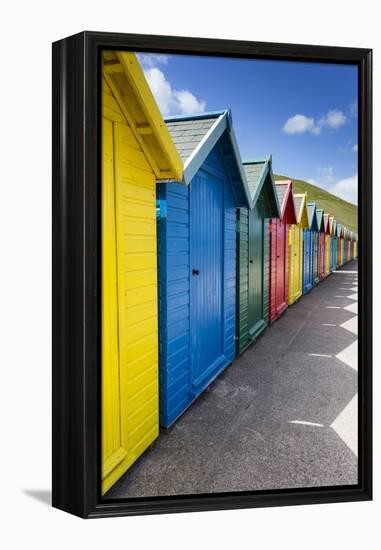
[307, 261]
[206, 275]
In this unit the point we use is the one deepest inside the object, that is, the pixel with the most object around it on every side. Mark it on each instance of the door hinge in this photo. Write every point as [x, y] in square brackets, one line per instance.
[161, 208]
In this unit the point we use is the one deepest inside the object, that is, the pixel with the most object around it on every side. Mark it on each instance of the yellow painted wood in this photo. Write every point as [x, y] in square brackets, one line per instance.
[126, 80]
[112, 452]
[327, 253]
[295, 263]
[130, 404]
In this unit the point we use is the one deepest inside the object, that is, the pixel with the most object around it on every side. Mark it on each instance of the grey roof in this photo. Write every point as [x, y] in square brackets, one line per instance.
[253, 172]
[187, 134]
[319, 215]
[326, 221]
[281, 189]
[311, 207]
[298, 204]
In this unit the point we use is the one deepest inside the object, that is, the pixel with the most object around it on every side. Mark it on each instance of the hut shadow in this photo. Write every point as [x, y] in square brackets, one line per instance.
[282, 416]
[41, 495]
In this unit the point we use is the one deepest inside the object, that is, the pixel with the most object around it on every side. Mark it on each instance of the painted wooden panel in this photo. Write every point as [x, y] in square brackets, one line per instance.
[255, 269]
[129, 296]
[348, 251]
[243, 336]
[295, 272]
[327, 254]
[322, 255]
[206, 274]
[315, 257]
[308, 260]
[266, 270]
[278, 268]
[197, 246]
[133, 251]
[112, 451]
[253, 261]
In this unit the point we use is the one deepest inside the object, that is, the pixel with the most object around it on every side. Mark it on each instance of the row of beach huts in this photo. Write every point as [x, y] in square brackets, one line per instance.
[200, 253]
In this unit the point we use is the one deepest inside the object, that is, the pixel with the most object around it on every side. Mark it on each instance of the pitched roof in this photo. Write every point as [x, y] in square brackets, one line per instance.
[331, 224]
[196, 135]
[320, 219]
[188, 133]
[326, 223]
[126, 80]
[300, 200]
[312, 217]
[339, 229]
[261, 181]
[284, 192]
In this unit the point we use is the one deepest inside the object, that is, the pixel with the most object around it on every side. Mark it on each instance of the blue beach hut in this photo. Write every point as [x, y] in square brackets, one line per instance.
[310, 249]
[197, 243]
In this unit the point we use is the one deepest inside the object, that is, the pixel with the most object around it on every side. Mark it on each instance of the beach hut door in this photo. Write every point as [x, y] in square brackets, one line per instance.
[255, 270]
[280, 263]
[307, 258]
[206, 269]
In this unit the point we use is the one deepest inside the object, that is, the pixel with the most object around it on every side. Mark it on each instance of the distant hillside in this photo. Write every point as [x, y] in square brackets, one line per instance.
[343, 211]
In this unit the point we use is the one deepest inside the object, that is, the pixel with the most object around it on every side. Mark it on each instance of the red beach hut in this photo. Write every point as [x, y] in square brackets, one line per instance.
[279, 243]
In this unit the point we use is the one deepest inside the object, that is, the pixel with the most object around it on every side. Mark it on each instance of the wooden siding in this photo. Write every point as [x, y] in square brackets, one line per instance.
[243, 329]
[266, 270]
[129, 297]
[295, 272]
[243, 279]
[174, 301]
[178, 388]
[327, 254]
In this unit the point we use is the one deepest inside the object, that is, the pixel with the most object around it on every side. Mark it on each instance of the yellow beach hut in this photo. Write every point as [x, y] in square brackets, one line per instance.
[295, 264]
[137, 150]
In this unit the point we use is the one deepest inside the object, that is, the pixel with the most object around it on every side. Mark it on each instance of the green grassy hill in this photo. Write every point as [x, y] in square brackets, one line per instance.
[344, 212]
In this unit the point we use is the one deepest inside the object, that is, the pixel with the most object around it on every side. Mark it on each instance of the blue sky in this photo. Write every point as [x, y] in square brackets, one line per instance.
[304, 114]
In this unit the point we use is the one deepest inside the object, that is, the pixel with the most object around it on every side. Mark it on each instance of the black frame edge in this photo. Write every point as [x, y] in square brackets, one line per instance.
[76, 263]
[69, 389]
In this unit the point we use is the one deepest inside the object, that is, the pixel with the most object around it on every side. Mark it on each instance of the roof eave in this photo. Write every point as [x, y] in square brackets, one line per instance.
[197, 158]
[127, 64]
[265, 172]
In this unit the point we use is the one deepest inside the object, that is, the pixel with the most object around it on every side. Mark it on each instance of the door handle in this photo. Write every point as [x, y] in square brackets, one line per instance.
[251, 261]
[195, 272]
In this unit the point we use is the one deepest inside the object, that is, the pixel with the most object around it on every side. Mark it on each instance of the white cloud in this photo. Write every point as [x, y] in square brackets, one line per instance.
[333, 119]
[188, 103]
[152, 59]
[355, 148]
[172, 101]
[346, 189]
[300, 124]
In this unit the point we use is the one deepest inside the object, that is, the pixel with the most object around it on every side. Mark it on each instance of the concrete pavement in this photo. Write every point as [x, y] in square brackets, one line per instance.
[283, 415]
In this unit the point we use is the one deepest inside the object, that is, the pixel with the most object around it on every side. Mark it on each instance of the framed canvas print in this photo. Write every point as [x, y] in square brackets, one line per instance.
[212, 329]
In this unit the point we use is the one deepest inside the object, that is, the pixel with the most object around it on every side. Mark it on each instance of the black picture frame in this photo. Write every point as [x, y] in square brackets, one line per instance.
[77, 264]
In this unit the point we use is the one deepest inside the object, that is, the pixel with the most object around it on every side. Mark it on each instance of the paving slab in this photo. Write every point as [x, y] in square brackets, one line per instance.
[283, 415]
